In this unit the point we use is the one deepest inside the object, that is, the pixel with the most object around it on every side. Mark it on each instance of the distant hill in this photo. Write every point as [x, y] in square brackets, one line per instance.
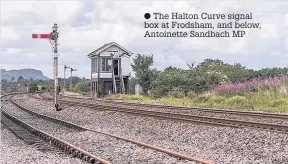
[25, 73]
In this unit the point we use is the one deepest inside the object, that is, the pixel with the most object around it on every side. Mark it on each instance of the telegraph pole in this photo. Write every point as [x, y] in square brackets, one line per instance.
[71, 69]
[65, 67]
[64, 88]
[54, 36]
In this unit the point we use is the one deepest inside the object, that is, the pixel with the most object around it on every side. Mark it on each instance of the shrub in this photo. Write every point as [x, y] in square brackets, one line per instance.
[279, 103]
[237, 101]
[135, 97]
[191, 95]
[203, 97]
[176, 94]
[215, 99]
[254, 85]
[128, 97]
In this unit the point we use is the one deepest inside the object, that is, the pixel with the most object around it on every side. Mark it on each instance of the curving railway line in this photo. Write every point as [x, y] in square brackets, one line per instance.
[186, 117]
[72, 149]
[209, 110]
[32, 134]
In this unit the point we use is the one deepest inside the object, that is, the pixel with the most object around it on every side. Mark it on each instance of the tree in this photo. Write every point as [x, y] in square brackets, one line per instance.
[82, 87]
[220, 72]
[32, 84]
[179, 80]
[75, 80]
[12, 78]
[170, 79]
[198, 78]
[170, 68]
[20, 79]
[132, 83]
[4, 83]
[144, 74]
[270, 72]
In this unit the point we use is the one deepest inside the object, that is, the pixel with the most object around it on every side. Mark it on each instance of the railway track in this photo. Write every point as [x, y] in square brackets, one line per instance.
[22, 134]
[206, 110]
[32, 134]
[184, 117]
[181, 117]
[80, 128]
[210, 110]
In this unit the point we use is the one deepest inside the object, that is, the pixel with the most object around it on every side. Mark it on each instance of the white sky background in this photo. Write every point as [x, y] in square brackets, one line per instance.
[87, 24]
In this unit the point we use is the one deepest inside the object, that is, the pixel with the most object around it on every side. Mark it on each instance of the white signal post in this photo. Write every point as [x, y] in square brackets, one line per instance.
[71, 69]
[53, 36]
[65, 67]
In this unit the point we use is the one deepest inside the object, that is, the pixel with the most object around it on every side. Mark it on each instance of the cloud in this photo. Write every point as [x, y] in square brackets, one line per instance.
[176, 61]
[86, 25]
[41, 12]
[32, 54]
[286, 44]
[9, 34]
[13, 51]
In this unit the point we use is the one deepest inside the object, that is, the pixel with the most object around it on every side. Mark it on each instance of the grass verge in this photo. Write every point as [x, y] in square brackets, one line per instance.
[258, 101]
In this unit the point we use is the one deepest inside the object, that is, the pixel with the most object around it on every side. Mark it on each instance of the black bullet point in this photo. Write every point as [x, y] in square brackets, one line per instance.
[147, 16]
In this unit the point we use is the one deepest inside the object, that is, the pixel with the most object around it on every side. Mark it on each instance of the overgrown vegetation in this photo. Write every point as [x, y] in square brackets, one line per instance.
[16, 85]
[82, 87]
[145, 75]
[212, 83]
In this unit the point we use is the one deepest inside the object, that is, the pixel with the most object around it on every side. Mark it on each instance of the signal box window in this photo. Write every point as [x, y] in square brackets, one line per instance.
[106, 65]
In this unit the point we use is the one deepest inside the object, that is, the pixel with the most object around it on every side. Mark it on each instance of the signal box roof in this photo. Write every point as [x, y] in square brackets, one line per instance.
[105, 46]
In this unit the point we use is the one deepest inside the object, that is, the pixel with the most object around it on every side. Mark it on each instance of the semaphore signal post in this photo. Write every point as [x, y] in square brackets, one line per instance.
[54, 37]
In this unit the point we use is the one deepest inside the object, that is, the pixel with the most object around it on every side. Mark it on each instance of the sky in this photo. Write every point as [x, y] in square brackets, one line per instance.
[85, 25]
